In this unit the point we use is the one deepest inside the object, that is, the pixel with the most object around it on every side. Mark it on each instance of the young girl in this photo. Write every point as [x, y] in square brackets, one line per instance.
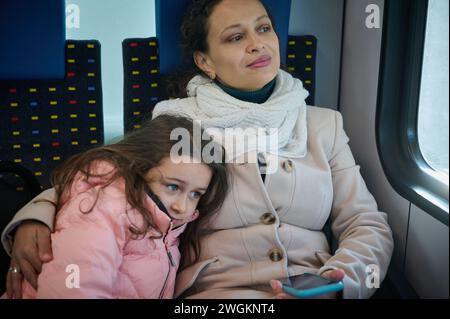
[121, 209]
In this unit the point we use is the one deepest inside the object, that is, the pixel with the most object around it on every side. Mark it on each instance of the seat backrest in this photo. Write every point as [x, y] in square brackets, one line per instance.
[32, 35]
[142, 83]
[45, 121]
[301, 62]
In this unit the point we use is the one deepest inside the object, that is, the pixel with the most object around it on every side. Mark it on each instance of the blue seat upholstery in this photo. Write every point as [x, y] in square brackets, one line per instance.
[45, 121]
[32, 35]
[301, 62]
[142, 84]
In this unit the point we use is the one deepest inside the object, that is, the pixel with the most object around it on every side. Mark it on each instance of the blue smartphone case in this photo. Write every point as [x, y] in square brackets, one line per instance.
[307, 293]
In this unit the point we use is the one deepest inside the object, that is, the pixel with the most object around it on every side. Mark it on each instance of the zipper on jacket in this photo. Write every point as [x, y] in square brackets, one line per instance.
[170, 258]
[171, 263]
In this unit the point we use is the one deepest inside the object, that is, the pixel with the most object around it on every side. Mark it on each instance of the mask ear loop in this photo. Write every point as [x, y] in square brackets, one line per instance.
[157, 201]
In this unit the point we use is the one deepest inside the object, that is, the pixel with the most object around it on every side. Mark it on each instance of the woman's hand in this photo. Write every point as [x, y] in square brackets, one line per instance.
[31, 248]
[278, 290]
[335, 274]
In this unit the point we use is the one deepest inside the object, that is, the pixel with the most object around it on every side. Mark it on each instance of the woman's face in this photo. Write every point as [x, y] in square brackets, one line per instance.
[244, 50]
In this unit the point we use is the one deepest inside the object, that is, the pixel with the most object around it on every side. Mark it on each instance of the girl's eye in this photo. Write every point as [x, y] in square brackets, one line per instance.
[172, 187]
[196, 195]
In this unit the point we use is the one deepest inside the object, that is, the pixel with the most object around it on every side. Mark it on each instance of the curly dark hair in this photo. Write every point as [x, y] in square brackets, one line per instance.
[195, 27]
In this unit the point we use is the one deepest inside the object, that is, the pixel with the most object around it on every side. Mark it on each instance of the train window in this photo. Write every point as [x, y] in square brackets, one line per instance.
[412, 111]
[433, 101]
[110, 22]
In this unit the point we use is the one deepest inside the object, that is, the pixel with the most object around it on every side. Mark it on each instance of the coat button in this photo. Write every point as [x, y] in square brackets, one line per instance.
[275, 254]
[268, 219]
[288, 165]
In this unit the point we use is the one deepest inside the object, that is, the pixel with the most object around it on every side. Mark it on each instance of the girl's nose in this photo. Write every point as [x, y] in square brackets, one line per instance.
[179, 206]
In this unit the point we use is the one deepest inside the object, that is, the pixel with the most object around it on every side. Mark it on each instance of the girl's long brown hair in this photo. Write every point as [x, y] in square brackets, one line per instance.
[132, 158]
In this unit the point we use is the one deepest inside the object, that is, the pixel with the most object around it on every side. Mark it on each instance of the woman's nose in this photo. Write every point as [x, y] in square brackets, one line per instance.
[255, 44]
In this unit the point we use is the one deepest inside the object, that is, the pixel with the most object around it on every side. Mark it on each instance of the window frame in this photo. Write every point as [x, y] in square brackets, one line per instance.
[404, 29]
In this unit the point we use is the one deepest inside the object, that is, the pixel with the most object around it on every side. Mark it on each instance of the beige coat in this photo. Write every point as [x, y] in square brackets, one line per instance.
[274, 229]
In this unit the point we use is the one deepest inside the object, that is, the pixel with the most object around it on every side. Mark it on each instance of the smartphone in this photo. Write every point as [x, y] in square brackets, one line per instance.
[309, 285]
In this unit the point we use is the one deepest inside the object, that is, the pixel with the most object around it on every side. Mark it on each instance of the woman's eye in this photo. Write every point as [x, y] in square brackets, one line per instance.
[264, 29]
[236, 38]
[172, 187]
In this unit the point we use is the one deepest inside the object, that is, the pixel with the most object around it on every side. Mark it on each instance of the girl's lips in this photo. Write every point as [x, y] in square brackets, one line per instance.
[175, 219]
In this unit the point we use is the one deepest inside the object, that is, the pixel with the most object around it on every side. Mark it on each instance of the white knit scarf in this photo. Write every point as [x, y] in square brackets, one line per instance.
[285, 110]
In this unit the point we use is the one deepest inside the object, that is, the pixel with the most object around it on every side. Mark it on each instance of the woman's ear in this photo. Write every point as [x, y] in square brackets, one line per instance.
[204, 63]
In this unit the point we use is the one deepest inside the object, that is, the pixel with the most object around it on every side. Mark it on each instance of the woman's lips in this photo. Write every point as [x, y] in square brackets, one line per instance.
[261, 62]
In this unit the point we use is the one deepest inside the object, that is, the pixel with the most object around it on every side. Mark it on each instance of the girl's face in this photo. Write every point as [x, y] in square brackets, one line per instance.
[244, 50]
[180, 186]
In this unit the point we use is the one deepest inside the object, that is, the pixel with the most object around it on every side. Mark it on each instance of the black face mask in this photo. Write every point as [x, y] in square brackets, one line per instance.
[157, 201]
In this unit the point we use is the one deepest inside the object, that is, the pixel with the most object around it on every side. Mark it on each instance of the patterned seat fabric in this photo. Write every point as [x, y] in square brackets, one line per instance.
[45, 121]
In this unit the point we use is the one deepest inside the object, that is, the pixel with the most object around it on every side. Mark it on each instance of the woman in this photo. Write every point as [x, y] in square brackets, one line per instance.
[270, 225]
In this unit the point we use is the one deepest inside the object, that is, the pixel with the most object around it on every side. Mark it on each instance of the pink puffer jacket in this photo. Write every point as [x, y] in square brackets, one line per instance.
[98, 250]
